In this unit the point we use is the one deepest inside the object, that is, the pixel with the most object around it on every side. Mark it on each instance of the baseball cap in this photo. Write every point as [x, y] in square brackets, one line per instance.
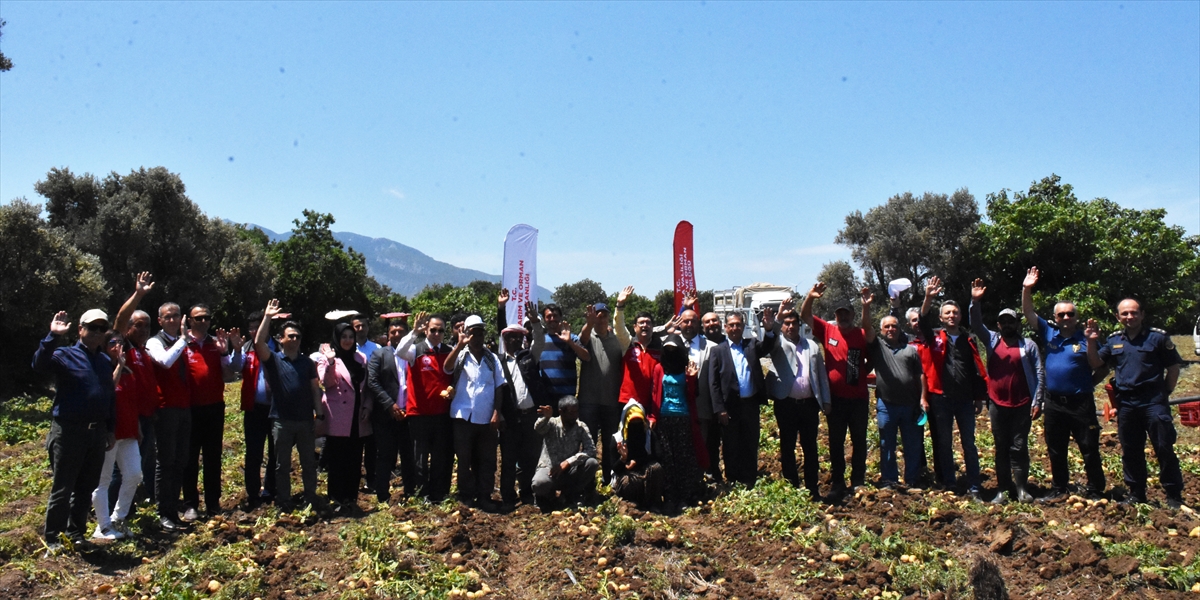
[93, 316]
[843, 307]
[1009, 312]
[600, 307]
[472, 322]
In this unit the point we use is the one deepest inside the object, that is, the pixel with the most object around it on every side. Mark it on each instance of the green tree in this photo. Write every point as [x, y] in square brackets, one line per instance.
[317, 275]
[1093, 253]
[915, 238]
[446, 300]
[5, 63]
[144, 221]
[574, 299]
[843, 289]
[46, 274]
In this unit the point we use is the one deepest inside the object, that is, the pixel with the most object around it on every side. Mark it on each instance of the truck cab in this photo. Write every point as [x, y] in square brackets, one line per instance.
[750, 301]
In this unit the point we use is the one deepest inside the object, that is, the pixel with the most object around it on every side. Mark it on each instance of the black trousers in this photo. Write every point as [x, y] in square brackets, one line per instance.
[392, 442]
[710, 431]
[76, 457]
[1073, 417]
[433, 454]
[475, 449]
[370, 459]
[344, 467]
[848, 414]
[1010, 430]
[520, 448]
[741, 441]
[1136, 423]
[173, 428]
[602, 422]
[256, 427]
[208, 428]
[799, 418]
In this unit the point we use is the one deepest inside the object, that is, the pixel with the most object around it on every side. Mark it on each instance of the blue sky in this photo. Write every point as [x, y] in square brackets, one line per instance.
[440, 125]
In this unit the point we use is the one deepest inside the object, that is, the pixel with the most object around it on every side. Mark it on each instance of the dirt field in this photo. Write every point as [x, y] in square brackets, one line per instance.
[770, 542]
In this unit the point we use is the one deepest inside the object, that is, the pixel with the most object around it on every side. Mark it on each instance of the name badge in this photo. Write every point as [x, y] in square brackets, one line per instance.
[832, 342]
[1118, 346]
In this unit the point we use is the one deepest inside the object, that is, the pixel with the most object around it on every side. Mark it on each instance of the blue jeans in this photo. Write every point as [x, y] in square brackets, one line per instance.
[962, 411]
[893, 419]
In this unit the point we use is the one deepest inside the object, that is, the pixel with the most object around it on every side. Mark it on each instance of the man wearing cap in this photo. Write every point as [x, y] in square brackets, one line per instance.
[600, 383]
[1016, 387]
[84, 420]
[387, 386]
[520, 445]
[1070, 408]
[799, 385]
[1146, 366]
[738, 389]
[956, 386]
[173, 418]
[427, 406]
[211, 359]
[846, 363]
[475, 411]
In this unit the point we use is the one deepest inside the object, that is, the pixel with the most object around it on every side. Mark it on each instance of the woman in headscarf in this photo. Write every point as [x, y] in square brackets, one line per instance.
[638, 476]
[676, 428]
[342, 370]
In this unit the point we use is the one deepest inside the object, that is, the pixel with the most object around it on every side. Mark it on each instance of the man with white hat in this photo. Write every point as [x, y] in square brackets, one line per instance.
[84, 420]
[520, 445]
[479, 390]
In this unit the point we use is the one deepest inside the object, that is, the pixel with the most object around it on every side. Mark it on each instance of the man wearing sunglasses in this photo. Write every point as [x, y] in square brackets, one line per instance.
[84, 420]
[428, 405]
[210, 364]
[1070, 407]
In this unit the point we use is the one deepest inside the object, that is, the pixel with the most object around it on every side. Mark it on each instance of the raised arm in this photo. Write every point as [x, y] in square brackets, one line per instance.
[806, 308]
[264, 332]
[536, 330]
[452, 360]
[1031, 279]
[141, 287]
[981, 330]
[501, 312]
[868, 325]
[1092, 333]
[619, 319]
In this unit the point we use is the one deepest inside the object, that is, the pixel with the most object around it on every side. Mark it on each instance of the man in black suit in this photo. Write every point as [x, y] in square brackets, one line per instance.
[737, 389]
[387, 376]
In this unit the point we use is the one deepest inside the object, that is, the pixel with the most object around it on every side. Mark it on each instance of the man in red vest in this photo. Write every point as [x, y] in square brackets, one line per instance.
[173, 418]
[209, 364]
[428, 405]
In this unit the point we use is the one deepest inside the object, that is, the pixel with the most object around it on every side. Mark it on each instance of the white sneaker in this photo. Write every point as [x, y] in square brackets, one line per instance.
[107, 533]
[121, 527]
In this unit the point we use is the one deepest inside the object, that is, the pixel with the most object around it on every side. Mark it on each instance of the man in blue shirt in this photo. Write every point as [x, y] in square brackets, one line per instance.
[1070, 407]
[1146, 365]
[84, 420]
[561, 351]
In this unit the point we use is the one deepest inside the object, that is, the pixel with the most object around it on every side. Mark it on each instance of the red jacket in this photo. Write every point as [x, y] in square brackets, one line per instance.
[638, 382]
[933, 361]
[427, 381]
[250, 370]
[207, 376]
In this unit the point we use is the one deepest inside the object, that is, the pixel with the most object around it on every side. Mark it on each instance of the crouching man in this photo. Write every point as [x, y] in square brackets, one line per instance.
[568, 462]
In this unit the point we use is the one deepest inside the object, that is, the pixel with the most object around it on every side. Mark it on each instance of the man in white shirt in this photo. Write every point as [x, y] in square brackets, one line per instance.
[479, 389]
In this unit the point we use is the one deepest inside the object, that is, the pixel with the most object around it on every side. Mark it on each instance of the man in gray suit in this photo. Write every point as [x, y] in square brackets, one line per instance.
[799, 386]
[387, 376]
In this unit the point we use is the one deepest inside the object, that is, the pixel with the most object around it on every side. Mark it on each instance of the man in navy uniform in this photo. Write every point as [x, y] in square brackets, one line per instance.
[1146, 365]
[1070, 408]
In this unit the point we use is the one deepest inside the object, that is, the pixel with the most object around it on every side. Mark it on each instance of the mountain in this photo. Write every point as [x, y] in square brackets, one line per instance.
[403, 268]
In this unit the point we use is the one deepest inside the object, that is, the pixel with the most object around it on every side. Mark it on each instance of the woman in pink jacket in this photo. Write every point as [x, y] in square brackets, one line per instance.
[342, 370]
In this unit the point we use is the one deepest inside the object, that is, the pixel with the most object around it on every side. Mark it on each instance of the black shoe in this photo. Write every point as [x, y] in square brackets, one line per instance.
[487, 505]
[1133, 499]
[1023, 495]
[1175, 502]
[1054, 495]
[1094, 494]
[1000, 498]
[170, 525]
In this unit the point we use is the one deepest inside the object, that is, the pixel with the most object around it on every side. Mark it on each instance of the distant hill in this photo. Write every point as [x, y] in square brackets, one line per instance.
[404, 269]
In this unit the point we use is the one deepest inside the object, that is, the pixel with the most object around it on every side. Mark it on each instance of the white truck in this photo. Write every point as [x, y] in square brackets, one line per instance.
[750, 301]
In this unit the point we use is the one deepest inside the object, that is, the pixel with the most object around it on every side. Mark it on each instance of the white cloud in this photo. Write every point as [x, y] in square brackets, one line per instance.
[395, 192]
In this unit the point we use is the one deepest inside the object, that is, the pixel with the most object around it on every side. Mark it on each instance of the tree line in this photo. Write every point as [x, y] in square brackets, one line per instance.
[98, 233]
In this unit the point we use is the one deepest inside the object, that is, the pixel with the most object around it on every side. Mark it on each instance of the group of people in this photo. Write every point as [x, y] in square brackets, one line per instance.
[656, 412]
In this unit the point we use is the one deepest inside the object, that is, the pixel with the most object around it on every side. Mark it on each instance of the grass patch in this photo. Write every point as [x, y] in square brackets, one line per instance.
[775, 502]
